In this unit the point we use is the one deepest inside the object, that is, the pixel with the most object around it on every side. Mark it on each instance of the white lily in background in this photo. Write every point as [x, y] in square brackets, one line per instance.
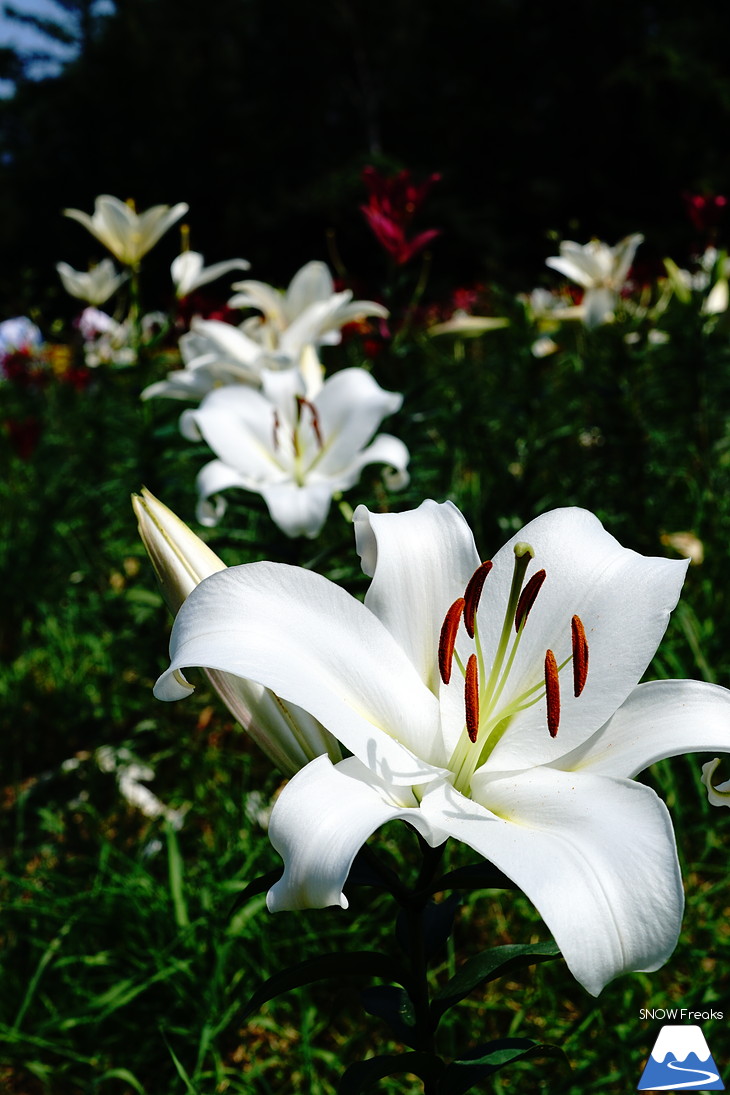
[295, 452]
[207, 365]
[467, 326]
[308, 313]
[600, 270]
[188, 272]
[106, 342]
[19, 333]
[95, 286]
[127, 234]
[497, 704]
[181, 560]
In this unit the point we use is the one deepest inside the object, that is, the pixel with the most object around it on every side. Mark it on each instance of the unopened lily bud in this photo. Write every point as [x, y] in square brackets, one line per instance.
[180, 558]
[289, 736]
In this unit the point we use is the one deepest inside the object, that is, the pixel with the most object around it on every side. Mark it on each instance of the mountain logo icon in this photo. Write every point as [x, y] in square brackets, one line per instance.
[681, 1061]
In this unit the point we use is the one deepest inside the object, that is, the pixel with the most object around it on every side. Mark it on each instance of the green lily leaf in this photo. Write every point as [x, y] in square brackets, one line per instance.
[394, 1005]
[487, 966]
[437, 920]
[461, 1076]
[355, 964]
[363, 1074]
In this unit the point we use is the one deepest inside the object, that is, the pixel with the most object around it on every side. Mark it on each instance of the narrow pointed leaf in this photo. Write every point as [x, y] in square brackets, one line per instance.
[363, 1074]
[487, 966]
[323, 966]
[461, 1076]
[392, 1004]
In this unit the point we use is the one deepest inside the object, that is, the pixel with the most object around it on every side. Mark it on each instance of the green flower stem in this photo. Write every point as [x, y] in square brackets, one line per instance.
[424, 1040]
[135, 310]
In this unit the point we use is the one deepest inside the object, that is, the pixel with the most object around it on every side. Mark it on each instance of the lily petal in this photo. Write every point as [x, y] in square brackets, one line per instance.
[572, 269]
[320, 821]
[312, 283]
[384, 449]
[351, 406]
[599, 304]
[314, 645]
[623, 599]
[571, 845]
[229, 340]
[659, 719]
[420, 562]
[238, 424]
[298, 510]
[257, 294]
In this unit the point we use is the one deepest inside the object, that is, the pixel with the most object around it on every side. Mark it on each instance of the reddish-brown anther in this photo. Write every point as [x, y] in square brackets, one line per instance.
[580, 655]
[552, 693]
[471, 698]
[527, 598]
[473, 594]
[447, 638]
[301, 403]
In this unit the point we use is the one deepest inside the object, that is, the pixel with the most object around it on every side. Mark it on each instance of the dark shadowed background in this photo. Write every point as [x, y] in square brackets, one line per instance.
[576, 119]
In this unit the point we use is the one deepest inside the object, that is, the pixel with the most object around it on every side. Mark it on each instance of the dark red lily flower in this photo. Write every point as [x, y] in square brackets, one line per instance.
[705, 211]
[392, 203]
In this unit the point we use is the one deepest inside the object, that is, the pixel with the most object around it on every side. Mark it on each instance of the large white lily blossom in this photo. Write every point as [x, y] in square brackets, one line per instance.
[497, 703]
[308, 313]
[188, 272]
[95, 286]
[296, 452]
[600, 270]
[181, 560]
[127, 234]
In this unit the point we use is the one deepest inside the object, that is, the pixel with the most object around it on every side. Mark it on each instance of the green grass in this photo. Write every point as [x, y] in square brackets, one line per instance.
[122, 971]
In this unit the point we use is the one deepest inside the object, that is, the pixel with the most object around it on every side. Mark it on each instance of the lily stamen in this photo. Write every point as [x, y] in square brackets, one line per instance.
[552, 693]
[528, 597]
[301, 403]
[447, 639]
[580, 655]
[471, 698]
[473, 594]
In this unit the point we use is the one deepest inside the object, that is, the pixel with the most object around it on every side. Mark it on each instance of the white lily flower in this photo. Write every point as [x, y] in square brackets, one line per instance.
[216, 354]
[95, 286]
[181, 560]
[468, 326]
[601, 270]
[464, 693]
[295, 452]
[188, 272]
[106, 342]
[127, 234]
[207, 365]
[308, 313]
[19, 333]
